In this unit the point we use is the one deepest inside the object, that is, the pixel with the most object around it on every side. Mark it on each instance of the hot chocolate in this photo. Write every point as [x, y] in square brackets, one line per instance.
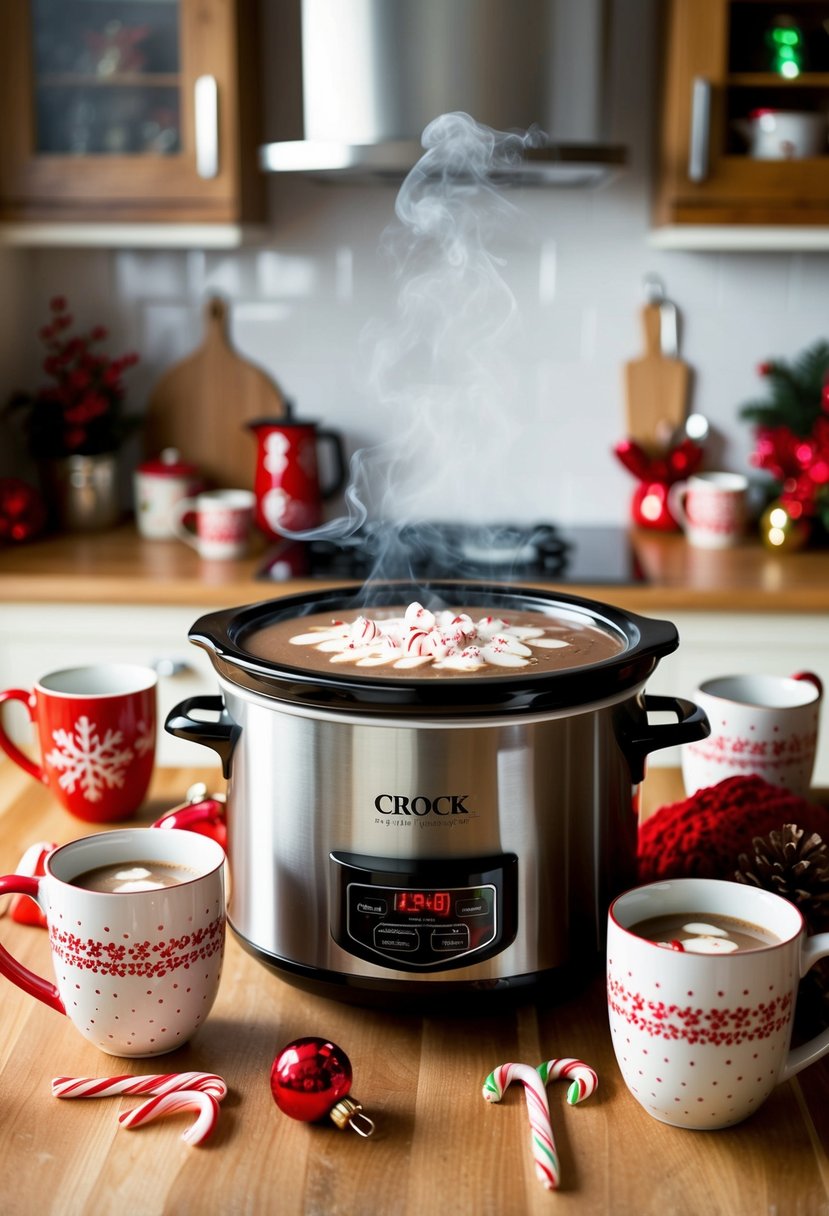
[127, 877]
[704, 933]
[413, 641]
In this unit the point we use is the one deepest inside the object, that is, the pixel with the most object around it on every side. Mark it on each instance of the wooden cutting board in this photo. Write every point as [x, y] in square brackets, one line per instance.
[202, 404]
[656, 388]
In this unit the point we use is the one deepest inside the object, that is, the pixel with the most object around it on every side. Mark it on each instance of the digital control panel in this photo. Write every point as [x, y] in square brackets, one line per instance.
[424, 915]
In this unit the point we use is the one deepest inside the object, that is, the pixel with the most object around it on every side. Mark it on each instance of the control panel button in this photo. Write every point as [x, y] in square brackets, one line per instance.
[456, 938]
[477, 906]
[373, 907]
[396, 937]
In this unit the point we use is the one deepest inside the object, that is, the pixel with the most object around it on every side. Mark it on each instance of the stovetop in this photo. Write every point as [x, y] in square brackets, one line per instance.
[585, 554]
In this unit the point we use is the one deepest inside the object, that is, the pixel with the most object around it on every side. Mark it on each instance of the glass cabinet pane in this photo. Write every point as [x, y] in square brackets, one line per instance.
[106, 77]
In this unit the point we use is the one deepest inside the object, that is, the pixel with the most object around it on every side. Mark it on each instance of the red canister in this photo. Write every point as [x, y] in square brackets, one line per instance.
[159, 484]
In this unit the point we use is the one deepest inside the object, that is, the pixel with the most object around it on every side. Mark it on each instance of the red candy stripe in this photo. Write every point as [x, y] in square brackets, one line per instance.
[155, 1083]
[172, 1103]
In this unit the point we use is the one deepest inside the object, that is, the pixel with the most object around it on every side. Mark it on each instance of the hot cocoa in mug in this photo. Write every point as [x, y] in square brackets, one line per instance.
[136, 922]
[702, 983]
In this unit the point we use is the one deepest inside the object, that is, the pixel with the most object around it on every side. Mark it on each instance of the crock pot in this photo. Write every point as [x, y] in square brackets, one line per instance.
[392, 836]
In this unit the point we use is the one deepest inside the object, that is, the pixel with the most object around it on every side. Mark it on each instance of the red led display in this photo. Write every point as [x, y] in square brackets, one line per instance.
[413, 903]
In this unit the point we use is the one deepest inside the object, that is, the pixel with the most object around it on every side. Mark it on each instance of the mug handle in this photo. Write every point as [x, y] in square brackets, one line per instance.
[11, 749]
[35, 985]
[676, 502]
[338, 475]
[810, 678]
[180, 509]
[814, 949]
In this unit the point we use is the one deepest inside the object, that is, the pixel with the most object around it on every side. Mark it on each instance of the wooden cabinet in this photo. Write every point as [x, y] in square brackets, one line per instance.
[129, 110]
[724, 61]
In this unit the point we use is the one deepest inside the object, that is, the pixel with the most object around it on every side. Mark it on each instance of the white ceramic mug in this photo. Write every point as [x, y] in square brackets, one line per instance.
[710, 508]
[702, 1039]
[137, 972]
[222, 521]
[785, 134]
[761, 726]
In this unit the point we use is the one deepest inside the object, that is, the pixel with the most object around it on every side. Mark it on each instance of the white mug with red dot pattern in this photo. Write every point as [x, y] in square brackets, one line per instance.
[761, 726]
[703, 1039]
[135, 972]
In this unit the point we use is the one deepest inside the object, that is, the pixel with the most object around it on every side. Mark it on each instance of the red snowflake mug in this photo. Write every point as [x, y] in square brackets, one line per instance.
[96, 727]
[702, 1039]
[136, 965]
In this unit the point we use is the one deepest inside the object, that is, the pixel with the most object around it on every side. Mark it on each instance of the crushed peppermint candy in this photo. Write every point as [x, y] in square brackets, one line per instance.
[443, 640]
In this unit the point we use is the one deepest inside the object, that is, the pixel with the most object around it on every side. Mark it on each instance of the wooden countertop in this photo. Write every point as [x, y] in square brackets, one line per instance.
[119, 567]
[438, 1146]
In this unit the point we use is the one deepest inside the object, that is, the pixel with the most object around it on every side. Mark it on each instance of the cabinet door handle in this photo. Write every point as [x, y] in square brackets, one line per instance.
[700, 129]
[206, 98]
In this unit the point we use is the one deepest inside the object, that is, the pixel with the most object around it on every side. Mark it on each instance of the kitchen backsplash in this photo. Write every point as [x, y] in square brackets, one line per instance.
[303, 308]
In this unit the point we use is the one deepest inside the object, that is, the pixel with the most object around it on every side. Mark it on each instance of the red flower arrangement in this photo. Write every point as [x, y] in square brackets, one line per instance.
[792, 436]
[81, 411]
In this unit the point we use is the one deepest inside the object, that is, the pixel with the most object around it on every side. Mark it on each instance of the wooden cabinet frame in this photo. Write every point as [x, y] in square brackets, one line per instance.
[735, 189]
[218, 38]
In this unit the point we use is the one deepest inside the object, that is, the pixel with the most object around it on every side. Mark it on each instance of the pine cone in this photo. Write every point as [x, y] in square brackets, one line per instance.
[794, 865]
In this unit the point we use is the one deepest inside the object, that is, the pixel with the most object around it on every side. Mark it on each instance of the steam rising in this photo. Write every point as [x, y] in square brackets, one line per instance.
[440, 362]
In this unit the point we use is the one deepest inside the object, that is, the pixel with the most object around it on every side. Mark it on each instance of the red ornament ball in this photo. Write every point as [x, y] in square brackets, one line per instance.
[22, 510]
[308, 1077]
[649, 507]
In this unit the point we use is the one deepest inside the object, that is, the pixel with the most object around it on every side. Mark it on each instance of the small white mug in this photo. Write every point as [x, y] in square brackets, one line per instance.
[222, 522]
[786, 134]
[702, 1039]
[761, 726]
[711, 508]
[136, 971]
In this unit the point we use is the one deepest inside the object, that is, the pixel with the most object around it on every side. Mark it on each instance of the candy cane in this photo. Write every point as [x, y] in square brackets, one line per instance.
[155, 1084]
[545, 1155]
[584, 1082]
[172, 1103]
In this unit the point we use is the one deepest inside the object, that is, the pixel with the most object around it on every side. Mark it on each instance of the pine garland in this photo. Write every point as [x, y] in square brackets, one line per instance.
[796, 391]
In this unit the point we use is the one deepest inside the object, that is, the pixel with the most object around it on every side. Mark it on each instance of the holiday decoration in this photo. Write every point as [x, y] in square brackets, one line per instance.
[583, 1083]
[792, 864]
[781, 532]
[206, 1106]
[704, 835]
[795, 864]
[80, 412]
[786, 47]
[22, 510]
[153, 1084]
[792, 436]
[166, 1094]
[311, 1078]
[201, 812]
[656, 474]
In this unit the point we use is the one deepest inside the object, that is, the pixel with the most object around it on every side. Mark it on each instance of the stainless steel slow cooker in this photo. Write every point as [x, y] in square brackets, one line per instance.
[392, 837]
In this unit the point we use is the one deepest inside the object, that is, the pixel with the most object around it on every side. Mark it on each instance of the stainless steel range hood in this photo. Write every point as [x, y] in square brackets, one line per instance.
[375, 73]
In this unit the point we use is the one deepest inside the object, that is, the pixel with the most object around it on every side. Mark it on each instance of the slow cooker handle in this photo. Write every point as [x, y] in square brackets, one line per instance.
[640, 738]
[221, 735]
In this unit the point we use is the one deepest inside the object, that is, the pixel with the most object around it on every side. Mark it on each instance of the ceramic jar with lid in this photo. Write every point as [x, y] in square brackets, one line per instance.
[159, 484]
